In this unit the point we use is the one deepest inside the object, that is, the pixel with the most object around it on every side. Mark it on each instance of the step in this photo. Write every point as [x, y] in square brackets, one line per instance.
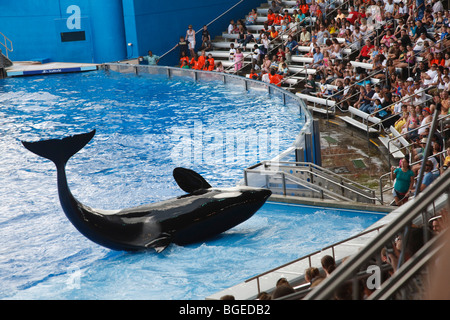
[357, 124]
[392, 148]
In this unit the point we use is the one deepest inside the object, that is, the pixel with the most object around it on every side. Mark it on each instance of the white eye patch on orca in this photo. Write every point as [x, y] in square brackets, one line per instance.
[228, 195]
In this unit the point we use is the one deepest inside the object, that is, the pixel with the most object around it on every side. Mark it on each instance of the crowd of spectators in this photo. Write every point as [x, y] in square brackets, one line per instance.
[405, 43]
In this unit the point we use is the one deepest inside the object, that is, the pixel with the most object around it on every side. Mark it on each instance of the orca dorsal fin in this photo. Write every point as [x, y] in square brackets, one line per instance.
[189, 180]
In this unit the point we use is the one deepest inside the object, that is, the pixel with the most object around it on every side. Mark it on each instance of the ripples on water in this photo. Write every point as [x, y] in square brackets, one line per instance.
[143, 127]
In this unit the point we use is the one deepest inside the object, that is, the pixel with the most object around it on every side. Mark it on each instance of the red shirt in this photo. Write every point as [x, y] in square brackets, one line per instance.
[355, 16]
[304, 8]
[365, 50]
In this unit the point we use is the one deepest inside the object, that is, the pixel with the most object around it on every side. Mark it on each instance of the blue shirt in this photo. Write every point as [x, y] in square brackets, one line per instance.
[428, 178]
[318, 57]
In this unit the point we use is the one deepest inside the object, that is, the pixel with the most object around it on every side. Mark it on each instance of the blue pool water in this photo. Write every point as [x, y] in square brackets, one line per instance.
[145, 127]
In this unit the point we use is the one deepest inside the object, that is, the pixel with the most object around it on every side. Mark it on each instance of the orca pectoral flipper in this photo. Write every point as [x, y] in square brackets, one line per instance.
[161, 243]
[189, 180]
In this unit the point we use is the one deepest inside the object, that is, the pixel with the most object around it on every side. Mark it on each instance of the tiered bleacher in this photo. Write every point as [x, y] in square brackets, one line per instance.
[365, 62]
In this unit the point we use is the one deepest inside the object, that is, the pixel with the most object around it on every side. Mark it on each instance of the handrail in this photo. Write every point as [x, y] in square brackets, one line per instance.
[287, 31]
[208, 24]
[5, 44]
[412, 210]
[350, 186]
[440, 119]
[369, 76]
[388, 107]
[338, 7]
[310, 186]
[299, 165]
[309, 256]
[429, 251]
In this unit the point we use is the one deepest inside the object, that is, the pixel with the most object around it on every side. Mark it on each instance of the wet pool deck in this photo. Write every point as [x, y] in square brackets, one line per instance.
[29, 68]
[348, 152]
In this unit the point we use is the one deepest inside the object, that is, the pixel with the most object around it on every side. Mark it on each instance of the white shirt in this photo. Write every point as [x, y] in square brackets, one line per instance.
[265, 78]
[420, 98]
[433, 77]
[419, 44]
[232, 53]
[389, 7]
[256, 54]
[423, 123]
[437, 7]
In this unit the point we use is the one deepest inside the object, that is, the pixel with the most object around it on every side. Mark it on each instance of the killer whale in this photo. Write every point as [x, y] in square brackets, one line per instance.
[196, 216]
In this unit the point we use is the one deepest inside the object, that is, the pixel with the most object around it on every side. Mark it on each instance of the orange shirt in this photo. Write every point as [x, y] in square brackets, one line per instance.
[274, 34]
[276, 79]
[277, 19]
[286, 16]
[201, 62]
[270, 18]
[211, 64]
[184, 59]
[436, 61]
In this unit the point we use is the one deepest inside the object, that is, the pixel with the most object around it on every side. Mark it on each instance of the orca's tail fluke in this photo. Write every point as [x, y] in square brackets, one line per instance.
[60, 150]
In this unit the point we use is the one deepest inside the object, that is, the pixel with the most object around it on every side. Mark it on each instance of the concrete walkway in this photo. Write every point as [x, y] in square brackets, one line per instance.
[347, 152]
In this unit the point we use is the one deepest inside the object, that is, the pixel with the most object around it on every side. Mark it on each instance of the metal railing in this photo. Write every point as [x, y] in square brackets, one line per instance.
[309, 175]
[5, 42]
[416, 212]
[270, 49]
[208, 24]
[333, 248]
[246, 83]
[374, 114]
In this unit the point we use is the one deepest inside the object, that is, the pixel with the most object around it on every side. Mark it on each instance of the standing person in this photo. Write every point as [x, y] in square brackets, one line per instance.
[151, 59]
[404, 182]
[183, 44]
[238, 59]
[190, 36]
[256, 57]
[205, 33]
[201, 60]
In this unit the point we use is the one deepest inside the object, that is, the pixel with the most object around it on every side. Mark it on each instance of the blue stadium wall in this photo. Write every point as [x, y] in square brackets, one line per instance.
[97, 31]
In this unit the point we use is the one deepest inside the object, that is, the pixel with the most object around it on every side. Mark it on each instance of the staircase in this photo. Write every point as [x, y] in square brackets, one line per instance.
[307, 180]
[5, 62]
[297, 65]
